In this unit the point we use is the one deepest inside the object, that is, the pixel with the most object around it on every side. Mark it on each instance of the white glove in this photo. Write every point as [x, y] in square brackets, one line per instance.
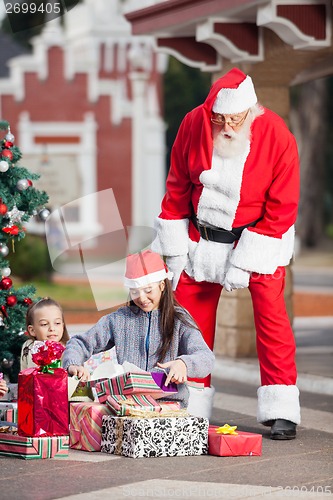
[236, 278]
[176, 265]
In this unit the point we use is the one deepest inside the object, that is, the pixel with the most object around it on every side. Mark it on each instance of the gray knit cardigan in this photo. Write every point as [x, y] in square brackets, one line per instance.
[133, 331]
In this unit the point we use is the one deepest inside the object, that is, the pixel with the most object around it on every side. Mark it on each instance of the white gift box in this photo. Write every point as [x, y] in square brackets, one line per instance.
[155, 437]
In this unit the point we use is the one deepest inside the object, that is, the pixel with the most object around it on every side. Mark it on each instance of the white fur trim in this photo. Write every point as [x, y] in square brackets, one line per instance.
[287, 247]
[208, 260]
[221, 192]
[278, 401]
[147, 279]
[263, 254]
[232, 101]
[171, 238]
[200, 403]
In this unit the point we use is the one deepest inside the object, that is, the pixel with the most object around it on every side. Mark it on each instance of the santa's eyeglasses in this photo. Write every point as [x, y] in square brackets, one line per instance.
[232, 121]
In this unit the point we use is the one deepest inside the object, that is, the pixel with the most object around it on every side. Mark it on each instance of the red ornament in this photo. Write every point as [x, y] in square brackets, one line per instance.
[29, 182]
[11, 300]
[4, 311]
[5, 283]
[27, 301]
[7, 153]
[12, 230]
[3, 209]
[8, 144]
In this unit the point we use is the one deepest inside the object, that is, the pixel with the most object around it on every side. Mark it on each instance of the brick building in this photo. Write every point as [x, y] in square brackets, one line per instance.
[85, 108]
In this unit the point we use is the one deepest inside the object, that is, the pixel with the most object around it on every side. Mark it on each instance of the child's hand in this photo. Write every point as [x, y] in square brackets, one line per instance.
[3, 388]
[79, 371]
[177, 371]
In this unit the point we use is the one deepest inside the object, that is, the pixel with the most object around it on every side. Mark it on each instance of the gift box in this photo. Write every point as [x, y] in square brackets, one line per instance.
[97, 359]
[33, 447]
[79, 391]
[160, 378]
[154, 437]
[169, 406]
[8, 412]
[86, 425]
[10, 415]
[43, 403]
[123, 405]
[131, 383]
[233, 445]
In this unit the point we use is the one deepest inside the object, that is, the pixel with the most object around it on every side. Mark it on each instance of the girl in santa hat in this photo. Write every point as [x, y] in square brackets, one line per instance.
[151, 331]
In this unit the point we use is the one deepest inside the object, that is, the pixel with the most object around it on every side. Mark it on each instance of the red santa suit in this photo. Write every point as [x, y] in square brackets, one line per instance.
[259, 184]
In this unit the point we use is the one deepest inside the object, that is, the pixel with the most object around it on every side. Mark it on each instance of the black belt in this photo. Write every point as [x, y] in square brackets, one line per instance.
[220, 235]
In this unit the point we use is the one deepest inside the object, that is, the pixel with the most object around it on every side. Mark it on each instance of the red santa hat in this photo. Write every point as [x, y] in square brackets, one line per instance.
[144, 268]
[236, 95]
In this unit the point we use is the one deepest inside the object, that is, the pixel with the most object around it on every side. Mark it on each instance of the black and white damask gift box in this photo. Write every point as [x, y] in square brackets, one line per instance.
[154, 437]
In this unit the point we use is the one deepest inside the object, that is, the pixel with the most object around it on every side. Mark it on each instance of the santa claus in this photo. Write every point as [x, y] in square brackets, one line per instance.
[227, 220]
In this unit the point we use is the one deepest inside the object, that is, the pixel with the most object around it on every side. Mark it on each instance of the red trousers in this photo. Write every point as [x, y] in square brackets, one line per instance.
[274, 335]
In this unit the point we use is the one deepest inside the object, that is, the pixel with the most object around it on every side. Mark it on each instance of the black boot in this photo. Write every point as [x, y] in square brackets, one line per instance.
[283, 429]
[268, 423]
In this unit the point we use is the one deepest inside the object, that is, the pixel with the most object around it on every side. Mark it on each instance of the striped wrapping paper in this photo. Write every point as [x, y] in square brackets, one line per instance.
[8, 412]
[11, 416]
[34, 447]
[127, 384]
[123, 405]
[86, 425]
[168, 406]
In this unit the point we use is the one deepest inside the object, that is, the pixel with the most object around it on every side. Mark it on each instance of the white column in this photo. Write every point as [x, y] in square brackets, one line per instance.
[139, 82]
[155, 172]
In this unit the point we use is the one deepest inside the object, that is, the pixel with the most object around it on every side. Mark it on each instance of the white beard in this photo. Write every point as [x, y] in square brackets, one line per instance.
[231, 144]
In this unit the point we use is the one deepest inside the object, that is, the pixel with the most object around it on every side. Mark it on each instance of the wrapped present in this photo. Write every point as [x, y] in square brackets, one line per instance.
[79, 391]
[86, 425]
[225, 441]
[160, 378]
[123, 405]
[10, 415]
[43, 394]
[33, 447]
[168, 406]
[8, 412]
[130, 383]
[97, 359]
[155, 437]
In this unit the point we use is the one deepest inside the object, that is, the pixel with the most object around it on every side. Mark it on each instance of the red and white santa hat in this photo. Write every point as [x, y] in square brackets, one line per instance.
[236, 95]
[144, 268]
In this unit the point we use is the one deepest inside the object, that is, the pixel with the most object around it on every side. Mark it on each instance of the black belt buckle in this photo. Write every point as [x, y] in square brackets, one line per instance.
[203, 231]
[218, 235]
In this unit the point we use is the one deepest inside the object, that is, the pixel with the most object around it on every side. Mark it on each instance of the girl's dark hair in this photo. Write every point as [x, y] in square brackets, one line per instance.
[46, 301]
[170, 311]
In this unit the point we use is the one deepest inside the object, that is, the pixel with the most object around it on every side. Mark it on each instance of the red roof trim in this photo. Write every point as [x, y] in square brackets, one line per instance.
[189, 48]
[243, 35]
[310, 19]
[174, 12]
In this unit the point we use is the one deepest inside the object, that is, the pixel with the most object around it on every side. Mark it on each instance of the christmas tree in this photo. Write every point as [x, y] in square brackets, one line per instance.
[19, 201]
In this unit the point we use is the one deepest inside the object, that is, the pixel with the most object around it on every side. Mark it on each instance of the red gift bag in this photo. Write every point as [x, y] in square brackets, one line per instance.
[43, 403]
